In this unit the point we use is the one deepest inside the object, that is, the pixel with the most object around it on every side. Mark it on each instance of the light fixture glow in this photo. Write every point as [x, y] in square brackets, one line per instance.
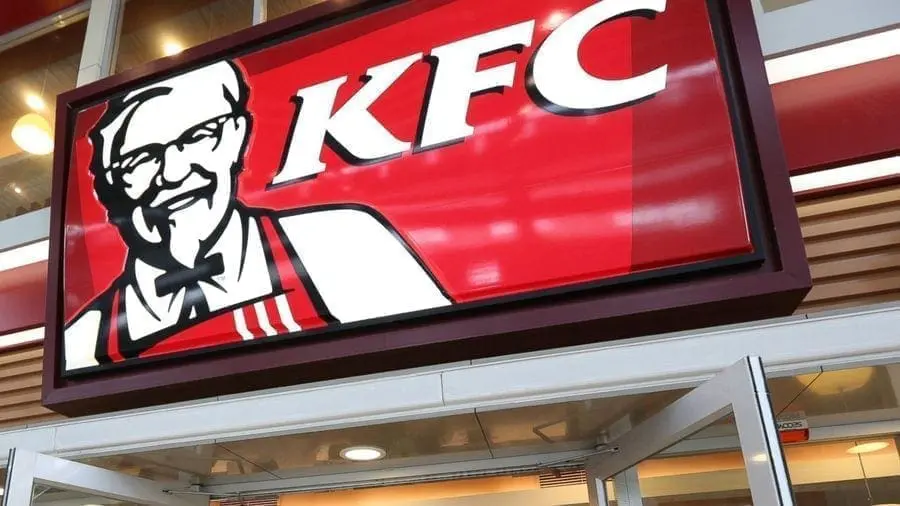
[362, 453]
[868, 447]
[24, 255]
[35, 102]
[555, 19]
[837, 382]
[18, 338]
[833, 57]
[32, 133]
[17, 190]
[172, 47]
[847, 174]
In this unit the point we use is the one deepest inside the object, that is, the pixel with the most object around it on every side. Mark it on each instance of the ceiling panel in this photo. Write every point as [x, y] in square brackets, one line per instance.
[148, 25]
[433, 439]
[278, 8]
[774, 5]
[581, 424]
[179, 464]
[45, 67]
[830, 398]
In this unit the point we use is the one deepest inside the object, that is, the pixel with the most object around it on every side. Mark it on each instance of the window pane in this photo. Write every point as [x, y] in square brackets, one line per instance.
[278, 8]
[153, 29]
[32, 74]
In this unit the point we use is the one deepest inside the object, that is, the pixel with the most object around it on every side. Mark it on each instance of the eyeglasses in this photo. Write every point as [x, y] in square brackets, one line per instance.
[154, 153]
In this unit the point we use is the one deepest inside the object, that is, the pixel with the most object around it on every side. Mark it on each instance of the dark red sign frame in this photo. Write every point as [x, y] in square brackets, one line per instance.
[769, 282]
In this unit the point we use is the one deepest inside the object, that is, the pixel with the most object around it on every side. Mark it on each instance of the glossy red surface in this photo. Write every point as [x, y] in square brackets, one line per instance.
[840, 117]
[771, 283]
[531, 201]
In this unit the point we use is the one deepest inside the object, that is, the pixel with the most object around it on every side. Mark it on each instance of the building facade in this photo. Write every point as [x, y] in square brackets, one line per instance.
[533, 404]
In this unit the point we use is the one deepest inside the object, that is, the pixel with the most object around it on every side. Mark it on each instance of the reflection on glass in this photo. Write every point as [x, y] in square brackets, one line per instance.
[153, 29]
[42, 494]
[32, 74]
[278, 8]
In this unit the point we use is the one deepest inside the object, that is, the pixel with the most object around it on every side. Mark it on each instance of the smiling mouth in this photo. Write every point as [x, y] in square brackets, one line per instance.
[185, 200]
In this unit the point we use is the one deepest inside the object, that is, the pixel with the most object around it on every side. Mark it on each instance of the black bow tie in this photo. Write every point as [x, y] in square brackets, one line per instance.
[205, 269]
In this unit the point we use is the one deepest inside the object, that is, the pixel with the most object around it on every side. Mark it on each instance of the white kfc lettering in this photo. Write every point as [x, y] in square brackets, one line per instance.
[457, 78]
[351, 131]
[555, 80]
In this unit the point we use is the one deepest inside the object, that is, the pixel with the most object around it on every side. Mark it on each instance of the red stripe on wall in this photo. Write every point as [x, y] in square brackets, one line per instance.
[23, 293]
[840, 117]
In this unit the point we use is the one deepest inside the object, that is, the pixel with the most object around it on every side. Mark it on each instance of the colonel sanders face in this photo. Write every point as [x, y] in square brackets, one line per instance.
[166, 158]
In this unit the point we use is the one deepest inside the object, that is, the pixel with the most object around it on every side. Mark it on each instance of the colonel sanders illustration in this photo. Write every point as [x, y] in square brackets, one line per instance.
[204, 270]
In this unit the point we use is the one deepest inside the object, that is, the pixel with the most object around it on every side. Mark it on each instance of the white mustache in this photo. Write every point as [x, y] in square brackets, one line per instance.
[193, 182]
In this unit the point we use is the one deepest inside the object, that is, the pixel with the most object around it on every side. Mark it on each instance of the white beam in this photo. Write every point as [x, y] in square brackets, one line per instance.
[672, 361]
[819, 22]
[31, 468]
[100, 41]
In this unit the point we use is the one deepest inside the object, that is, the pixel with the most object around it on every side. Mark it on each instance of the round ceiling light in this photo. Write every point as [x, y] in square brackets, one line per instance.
[838, 382]
[172, 47]
[32, 133]
[868, 447]
[35, 102]
[362, 453]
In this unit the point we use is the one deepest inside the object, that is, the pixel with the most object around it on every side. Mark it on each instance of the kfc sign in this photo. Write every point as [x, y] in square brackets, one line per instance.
[555, 80]
[408, 163]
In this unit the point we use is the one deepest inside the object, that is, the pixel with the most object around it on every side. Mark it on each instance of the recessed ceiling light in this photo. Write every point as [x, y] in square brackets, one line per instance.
[868, 447]
[35, 102]
[362, 453]
[17, 190]
[172, 47]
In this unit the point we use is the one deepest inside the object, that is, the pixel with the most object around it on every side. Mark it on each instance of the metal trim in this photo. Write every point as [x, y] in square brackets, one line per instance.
[43, 26]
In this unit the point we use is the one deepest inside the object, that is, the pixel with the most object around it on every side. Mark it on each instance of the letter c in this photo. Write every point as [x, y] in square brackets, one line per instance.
[556, 80]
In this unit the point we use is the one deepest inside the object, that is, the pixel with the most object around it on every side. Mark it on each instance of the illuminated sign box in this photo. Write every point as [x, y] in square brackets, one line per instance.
[369, 186]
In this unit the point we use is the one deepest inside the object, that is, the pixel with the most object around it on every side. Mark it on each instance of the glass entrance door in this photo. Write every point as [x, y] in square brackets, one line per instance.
[739, 392]
[33, 478]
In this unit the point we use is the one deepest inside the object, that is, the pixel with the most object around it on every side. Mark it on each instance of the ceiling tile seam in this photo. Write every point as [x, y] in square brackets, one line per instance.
[484, 435]
[238, 455]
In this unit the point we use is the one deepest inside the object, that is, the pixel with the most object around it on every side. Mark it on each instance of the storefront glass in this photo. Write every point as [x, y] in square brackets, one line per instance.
[32, 74]
[153, 29]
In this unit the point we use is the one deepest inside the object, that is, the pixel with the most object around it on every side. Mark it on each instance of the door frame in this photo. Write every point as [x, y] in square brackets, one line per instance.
[740, 389]
[27, 469]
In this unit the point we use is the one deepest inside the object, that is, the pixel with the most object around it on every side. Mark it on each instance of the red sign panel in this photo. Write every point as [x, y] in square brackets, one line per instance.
[417, 160]
[598, 145]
